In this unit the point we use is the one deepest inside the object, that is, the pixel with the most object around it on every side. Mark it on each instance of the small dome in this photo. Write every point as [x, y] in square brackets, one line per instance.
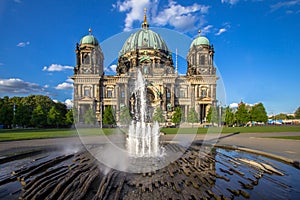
[89, 39]
[144, 39]
[200, 40]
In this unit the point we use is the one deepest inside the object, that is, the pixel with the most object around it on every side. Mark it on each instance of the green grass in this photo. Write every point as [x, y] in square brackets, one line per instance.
[26, 134]
[286, 137]
[254, 129]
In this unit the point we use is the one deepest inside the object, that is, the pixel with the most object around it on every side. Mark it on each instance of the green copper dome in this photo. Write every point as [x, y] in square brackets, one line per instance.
[89, 39]
[200, 40]
[144, 39]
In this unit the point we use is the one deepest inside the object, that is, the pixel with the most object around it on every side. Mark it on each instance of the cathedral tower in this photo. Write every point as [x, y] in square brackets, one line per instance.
[88, 75]
[202, 75]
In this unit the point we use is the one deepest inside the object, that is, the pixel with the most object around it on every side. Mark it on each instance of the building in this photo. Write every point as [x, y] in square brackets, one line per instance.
[145, 50]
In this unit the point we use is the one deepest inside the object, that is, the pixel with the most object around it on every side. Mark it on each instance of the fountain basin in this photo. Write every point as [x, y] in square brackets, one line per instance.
[220, 173]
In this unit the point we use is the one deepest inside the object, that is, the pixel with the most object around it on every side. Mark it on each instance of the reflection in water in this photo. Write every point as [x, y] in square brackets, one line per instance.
[221, 173]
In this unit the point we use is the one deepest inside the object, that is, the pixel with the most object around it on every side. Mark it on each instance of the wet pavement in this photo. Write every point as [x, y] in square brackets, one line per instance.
[54, 173]
[222, 173]
[286, 148]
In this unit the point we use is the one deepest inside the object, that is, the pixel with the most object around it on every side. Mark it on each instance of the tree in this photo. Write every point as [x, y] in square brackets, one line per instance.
[69, 117]
[54, 117]
[212, 115]
[108, 116]
[62, 109]
[281, 116]
[258, 113]
[6, 112]
[158, 115]
[297, 113]
[22, 115]
[229, 117]
[176, 118]
[44, 101]
[89, 117]
[39, 117]
[19, 110]
[192, 116]
[125, 117]
[242, 115]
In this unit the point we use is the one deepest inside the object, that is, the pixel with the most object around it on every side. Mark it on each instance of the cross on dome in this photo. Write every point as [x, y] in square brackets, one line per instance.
[145, 24]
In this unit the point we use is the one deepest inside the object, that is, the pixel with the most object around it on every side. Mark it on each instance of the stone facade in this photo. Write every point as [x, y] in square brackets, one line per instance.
[145, 51]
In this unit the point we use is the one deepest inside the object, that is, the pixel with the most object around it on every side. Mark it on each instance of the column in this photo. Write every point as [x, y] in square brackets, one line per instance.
[192, 92]
[95, 92]
[172, 95]
[164, 90]
[126, 94]
[198, 110]
[80, 91]
[214, 92]
[117, 97]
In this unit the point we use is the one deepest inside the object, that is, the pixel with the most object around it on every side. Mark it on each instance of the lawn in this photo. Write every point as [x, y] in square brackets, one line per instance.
[253, 129]
[25, 134]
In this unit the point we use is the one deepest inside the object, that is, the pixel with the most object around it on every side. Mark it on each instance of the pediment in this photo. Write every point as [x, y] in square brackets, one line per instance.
[86, 99]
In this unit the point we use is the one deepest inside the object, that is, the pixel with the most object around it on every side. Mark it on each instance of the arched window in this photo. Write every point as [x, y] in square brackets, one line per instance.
[202, 60]
[203, 92]
[87, 92]
[109, 94]
[168, 93]
[182, 93]
[122, 94]
[86, 59]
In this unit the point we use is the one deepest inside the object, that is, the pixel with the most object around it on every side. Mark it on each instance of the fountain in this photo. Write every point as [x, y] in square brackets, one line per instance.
[143, 138]
[51, 172]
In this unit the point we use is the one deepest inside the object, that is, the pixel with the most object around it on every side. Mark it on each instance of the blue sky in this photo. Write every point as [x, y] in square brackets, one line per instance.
[256, 43]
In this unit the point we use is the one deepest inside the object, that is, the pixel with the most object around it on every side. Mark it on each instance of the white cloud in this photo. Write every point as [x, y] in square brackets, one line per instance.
[135, 10]
[46, 86]
[56, 67]
[18, 86]
[221, 30]
[233, 105]
[206, 29]
[69, 103]
[17, 1]
[23, 44]
[284, 4]
[111, 68]
[70, 80]
[64, 86]
[232, 2]
[183, 18]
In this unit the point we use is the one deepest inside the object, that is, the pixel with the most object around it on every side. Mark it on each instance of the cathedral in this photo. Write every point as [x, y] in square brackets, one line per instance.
[146, 51]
